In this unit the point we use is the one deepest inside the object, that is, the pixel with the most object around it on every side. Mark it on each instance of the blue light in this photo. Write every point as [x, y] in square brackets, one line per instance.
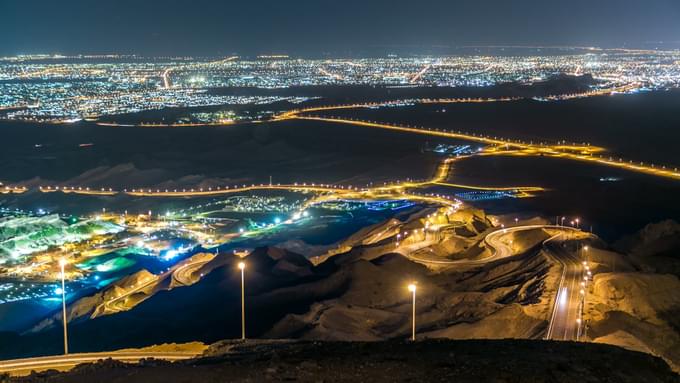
[170, 254]
[58, 291]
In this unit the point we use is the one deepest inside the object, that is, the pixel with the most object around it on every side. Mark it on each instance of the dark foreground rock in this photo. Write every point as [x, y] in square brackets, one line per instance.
[394, 361]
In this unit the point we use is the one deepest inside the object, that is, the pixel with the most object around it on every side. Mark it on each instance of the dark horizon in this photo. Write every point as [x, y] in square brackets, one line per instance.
[208, 28]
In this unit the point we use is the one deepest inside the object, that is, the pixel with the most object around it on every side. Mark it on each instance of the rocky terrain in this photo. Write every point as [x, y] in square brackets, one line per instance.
[356, 290]
[655, 248]
[394, 361]
[633, 301]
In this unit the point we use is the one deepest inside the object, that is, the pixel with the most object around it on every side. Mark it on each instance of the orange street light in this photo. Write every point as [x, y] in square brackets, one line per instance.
[412, 288]
[242, 266]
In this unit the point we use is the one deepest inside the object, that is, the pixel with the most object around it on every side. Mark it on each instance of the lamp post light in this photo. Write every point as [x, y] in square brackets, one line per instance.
[412, 289]
[242, 266]
[62, 263]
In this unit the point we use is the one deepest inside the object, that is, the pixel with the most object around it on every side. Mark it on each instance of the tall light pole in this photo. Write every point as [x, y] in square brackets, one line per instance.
[412, 289]
[242, 266]
[585, 248]
[62, 263]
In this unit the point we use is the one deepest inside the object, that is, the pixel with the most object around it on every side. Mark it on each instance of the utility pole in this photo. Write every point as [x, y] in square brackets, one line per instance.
[412, 289]
[242, 266]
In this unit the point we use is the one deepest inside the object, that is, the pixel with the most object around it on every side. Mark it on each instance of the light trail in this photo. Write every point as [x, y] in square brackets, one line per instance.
[564, 323]
[20, 367]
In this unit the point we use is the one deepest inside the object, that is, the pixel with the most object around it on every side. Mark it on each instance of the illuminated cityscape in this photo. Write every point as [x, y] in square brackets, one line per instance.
[67, 89]
[351, 191]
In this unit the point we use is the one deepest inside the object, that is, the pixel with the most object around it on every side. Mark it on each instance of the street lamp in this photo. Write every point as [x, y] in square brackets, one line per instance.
[62, 263]
[412, 289]
[585, 249]
[242, 266]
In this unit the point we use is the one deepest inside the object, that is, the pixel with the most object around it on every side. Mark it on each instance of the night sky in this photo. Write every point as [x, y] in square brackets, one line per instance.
[202, 27]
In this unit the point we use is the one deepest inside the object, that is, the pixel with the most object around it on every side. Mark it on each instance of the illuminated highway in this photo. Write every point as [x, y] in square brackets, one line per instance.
[565, 316]
[420, 74]
[342, 190]
[494, 241]
[119, 302]
[565, 321]
[498, 146]
[19, 367]
[183, 275]
[12, 189]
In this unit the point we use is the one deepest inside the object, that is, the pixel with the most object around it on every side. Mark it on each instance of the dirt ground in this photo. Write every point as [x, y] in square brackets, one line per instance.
[394, 361]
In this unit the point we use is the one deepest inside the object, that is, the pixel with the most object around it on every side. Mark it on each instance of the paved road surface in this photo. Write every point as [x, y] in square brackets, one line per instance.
[567, 307]
[62, 362]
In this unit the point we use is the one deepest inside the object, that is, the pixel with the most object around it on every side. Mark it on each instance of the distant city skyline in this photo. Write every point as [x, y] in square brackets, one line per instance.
[202, 27]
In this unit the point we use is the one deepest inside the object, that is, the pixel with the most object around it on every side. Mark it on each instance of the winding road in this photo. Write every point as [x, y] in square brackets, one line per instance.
[181, 275]
[563, 324]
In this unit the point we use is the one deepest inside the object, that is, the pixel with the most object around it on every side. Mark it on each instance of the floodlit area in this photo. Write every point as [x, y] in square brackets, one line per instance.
[103, 248]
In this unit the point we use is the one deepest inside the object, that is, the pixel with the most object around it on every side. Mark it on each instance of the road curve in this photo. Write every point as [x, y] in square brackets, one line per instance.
[492, 240]
[563, 324]
[182, 275]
